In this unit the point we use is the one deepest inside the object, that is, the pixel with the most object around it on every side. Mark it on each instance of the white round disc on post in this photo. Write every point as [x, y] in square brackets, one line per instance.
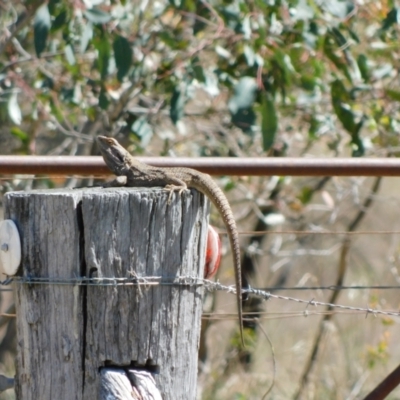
[10, 247]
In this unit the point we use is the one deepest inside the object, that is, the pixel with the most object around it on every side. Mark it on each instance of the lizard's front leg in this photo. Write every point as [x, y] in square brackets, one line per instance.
[177, 186]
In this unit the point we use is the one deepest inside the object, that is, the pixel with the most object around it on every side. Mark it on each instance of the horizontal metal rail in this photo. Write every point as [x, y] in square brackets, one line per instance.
[94, 165]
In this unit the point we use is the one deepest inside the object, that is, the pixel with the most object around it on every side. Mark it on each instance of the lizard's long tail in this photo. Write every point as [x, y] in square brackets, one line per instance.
[216, 195]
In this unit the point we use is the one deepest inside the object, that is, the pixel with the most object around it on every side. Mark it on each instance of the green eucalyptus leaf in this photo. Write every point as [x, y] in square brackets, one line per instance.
[393, 94]
[103, 99]
[363, 66]
[123, 56]
[356, 140]
[178, 101]
[41, 27]
[55, 110]
[383, 71]
[353, 35]
[60, 20]
[246, 27]
[391, 18]
[20, 134]
[103, 47]
[249, 55]
[330, 48]
[346, 116]
[306, 194]
[339, 37]
[241, 103]
[308, 82]
[97, 16]
[244, 94]
[14, 111]
[69, 54]
[339, 97]
[245, 119]
[303, 11]
[198, 70]
[86, 37]
[203, 12]
[143, 130]
[338, 8]
[269, 121]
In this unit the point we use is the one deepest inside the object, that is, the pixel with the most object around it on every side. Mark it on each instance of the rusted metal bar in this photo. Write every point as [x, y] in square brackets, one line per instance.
[53, 165]
[386, 386]
[94, 165]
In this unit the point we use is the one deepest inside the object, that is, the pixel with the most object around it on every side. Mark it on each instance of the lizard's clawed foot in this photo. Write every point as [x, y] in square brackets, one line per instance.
[174, 188]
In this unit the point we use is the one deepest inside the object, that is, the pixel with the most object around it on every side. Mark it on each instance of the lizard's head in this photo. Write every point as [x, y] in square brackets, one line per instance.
[113, 153]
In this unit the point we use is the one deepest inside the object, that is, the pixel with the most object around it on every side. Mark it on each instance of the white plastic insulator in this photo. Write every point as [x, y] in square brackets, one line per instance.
[10, 247]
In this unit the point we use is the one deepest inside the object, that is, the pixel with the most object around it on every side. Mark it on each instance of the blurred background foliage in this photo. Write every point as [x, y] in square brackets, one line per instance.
[312, 78]
[284, 77]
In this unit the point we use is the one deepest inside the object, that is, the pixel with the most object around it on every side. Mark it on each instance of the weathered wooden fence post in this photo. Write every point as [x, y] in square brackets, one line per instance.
[68, 330]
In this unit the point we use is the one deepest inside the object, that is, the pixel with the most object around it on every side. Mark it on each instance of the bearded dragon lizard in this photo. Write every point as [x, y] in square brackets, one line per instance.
[133, 173]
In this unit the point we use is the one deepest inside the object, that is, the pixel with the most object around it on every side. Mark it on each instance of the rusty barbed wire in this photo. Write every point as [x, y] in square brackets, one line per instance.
[175, 281]
[210, 286]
